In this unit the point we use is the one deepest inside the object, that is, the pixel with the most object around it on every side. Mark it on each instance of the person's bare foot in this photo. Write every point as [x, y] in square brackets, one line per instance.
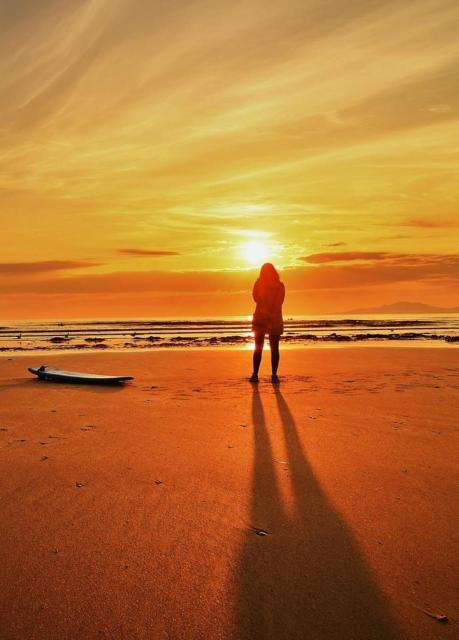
[275, 378]
[253, 378]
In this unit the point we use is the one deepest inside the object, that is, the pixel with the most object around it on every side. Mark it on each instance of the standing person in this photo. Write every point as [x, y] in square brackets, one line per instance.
[268, 293]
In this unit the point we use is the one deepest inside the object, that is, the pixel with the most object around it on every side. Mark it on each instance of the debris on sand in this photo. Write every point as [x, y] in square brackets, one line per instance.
[260, 532]
[439, 617]
[158, 481]
[79, 485]
[44, 458]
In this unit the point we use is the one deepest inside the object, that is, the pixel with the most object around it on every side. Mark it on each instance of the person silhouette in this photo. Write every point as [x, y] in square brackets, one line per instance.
[268, 293]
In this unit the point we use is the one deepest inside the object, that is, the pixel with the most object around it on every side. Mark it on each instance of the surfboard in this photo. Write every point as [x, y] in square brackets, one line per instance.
[57, 375]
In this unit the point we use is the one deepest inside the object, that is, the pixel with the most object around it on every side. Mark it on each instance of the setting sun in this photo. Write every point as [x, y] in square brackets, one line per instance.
[255, 251]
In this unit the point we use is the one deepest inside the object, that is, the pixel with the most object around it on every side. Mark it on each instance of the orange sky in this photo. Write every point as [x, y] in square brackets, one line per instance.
[152, 154]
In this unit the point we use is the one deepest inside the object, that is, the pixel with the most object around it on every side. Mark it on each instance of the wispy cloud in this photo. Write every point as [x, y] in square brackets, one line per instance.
[346, 256]
[329, 271]
[432, 223]
[147, 253]
[382, 259]
[31, 268]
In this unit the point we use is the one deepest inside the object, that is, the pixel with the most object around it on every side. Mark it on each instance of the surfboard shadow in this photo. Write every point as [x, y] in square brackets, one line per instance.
[307, 578]
[36, 383]
[20, 382]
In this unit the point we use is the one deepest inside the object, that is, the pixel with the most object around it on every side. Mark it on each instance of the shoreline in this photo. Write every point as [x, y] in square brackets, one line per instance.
[78, 336]
[246, 347]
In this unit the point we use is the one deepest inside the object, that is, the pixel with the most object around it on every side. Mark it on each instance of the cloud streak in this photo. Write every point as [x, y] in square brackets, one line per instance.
[346, 256]
[147, 253]
[39, 267]
[423, 223]
[378, 256]
[326, 273]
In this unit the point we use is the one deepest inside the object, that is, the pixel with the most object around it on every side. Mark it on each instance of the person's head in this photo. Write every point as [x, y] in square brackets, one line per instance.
[268, 273]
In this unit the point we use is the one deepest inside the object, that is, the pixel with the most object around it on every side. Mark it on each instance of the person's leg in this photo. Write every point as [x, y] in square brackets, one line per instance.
[274, 344]
[257, 353]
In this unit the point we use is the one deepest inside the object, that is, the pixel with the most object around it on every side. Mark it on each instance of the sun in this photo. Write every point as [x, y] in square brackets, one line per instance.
[255, 251]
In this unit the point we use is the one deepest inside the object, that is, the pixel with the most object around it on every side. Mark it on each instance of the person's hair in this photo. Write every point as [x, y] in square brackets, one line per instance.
[268, 273]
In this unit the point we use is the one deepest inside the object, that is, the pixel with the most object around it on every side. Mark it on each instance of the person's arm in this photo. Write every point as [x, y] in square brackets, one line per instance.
[281, 294]
[255, 292]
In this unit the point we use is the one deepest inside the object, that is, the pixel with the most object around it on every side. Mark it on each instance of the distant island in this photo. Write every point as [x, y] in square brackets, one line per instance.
[404, 307]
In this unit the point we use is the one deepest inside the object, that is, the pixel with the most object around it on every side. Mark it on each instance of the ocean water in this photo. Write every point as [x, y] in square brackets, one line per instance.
[69, 335]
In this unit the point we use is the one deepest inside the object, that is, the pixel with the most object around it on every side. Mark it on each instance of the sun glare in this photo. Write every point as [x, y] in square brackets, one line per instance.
[255, 251]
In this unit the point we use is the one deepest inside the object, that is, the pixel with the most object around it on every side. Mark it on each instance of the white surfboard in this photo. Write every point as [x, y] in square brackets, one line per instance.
[58, 375]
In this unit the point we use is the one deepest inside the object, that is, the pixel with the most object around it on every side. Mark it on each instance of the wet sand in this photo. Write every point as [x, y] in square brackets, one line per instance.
[189, 504]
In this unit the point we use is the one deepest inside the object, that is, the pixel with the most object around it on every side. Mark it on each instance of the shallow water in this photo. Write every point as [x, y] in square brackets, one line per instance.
[71, 335]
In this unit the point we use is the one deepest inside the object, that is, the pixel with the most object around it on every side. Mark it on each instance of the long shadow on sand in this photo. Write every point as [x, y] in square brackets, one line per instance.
[307, 579]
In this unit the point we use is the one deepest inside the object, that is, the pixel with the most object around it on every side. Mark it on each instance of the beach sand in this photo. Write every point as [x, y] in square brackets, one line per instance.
[136, 512]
